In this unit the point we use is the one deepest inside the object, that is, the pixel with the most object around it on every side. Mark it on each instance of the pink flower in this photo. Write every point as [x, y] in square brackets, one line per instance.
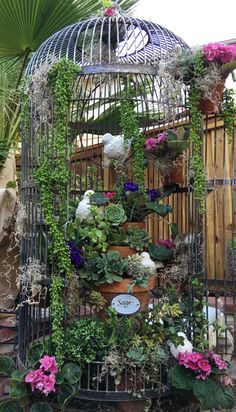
[195, 356]
[183, 358]
[111, 11]
[218, 51]
[49, 383]
[220, 363]
[168, 243]
[109, 195]
[191, 365]
[29, 378]
[211, 51]
[204, 366]
[151, 142]
[48, 363]
[161, 138]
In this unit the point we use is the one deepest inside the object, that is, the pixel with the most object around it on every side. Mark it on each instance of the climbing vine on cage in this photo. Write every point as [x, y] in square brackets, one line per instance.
[131, 130]
[197, 164]
[228, 111]
[51, 177]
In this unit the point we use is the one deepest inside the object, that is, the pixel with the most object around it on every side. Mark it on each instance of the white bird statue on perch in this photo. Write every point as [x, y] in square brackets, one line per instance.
[115, 148]
[147, 262]
[186, 347]
[84, 206]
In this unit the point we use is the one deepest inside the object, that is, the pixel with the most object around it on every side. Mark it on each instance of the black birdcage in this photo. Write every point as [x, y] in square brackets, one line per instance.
[111, 53]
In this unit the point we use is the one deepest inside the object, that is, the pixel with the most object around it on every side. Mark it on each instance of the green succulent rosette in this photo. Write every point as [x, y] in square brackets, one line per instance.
[115, 214]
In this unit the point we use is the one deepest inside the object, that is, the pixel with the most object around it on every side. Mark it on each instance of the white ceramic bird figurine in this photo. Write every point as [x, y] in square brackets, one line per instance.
[147, 262]
[83, 209]
[186, 347]
[114, 148]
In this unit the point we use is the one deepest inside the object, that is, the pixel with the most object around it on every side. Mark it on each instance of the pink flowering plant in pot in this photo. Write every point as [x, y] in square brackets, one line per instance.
[167, 148]
[42, 386]
[206, 375]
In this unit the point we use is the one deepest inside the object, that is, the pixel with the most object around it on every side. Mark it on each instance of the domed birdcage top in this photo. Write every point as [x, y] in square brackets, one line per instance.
[117, 40]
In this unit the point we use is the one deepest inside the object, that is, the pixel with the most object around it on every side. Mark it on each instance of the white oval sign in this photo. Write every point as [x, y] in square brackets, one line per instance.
[126, 304]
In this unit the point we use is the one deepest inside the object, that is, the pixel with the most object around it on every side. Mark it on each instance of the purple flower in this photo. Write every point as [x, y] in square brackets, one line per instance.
[168, 243]
[76, 255]
[131, 187]
[154, 194]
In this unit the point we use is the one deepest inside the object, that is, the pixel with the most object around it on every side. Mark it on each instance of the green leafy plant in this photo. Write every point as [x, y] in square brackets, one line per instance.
[85, 341]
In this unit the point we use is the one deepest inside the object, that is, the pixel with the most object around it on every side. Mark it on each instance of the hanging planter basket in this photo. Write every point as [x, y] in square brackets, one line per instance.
[211, 106]
[176, 175]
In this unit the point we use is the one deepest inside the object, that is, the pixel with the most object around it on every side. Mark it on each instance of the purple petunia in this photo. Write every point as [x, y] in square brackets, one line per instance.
[130, 187]
[154, 194]
[76, 255]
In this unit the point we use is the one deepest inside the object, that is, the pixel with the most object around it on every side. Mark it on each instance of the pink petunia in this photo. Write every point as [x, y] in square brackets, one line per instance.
[48, 363]
[151, 143]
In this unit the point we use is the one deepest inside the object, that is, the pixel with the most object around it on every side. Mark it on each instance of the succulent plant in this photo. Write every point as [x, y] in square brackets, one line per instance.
[115, 214]
[107, 268]
[137, 238]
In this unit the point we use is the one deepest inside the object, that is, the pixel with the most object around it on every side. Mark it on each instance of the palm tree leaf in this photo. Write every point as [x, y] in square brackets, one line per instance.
[25, 24]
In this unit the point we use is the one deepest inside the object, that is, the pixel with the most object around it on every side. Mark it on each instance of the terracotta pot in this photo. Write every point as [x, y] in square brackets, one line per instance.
[124, 251]
[109, 292]
[140, 225]
[208, 106]
[176, 175]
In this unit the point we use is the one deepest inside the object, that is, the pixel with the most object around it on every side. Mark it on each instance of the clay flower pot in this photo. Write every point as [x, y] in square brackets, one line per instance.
[142, 295]
[176, 175]
[124, 251]
[140, 225]
[212, 106]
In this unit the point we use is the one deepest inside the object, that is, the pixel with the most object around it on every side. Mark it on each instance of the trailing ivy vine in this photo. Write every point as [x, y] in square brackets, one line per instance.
[197, 164]
[52, 177]
[130, 128]
[227, 112]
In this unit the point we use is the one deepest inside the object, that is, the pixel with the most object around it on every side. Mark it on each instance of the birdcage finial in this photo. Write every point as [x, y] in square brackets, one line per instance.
[111, 8]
